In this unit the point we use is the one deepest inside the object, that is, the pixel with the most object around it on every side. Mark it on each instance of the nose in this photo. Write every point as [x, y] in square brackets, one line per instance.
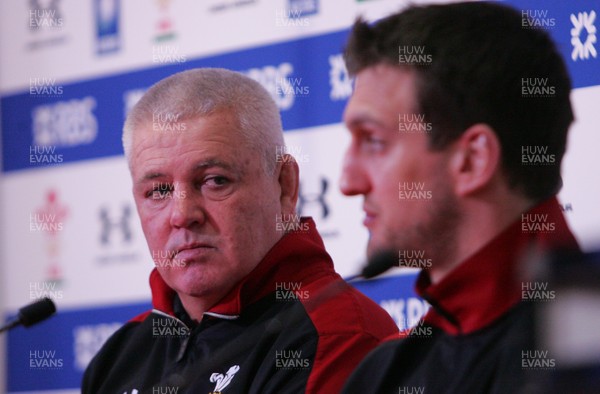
[354, 179]
[186, 209]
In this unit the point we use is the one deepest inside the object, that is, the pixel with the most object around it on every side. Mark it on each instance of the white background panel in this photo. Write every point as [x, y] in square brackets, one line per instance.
[90, 271]
[580, 169]
[199, 31]
[319, 152]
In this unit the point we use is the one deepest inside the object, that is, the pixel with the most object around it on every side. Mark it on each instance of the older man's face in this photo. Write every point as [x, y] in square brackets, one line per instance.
[206, 205]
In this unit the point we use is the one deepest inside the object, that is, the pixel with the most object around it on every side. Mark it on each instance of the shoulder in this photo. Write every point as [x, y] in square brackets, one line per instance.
[115, 348]
[348, 326]
[375, 370]
[336, 307]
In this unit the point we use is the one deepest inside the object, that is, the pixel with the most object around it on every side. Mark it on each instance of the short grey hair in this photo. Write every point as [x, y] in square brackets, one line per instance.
[201, 92]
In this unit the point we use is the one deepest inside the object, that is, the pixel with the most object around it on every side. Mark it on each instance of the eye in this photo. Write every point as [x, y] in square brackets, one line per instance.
[216, 181]
[217, 187]
[371, 139]
[160, 191]
[372, 143]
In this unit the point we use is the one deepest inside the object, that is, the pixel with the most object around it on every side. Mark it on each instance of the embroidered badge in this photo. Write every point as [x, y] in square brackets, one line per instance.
[221, 380]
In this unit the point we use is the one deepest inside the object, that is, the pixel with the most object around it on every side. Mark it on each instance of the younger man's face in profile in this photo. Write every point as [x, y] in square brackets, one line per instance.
[406, 188]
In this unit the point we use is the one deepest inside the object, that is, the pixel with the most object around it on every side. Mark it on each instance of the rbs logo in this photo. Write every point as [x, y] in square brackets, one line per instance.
[65, 124]
[275, 79]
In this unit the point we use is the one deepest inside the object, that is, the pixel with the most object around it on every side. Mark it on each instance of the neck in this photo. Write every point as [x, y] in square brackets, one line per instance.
[481, 220]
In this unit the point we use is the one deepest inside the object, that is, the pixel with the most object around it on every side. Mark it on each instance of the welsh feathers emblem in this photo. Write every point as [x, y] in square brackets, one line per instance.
[221, 380]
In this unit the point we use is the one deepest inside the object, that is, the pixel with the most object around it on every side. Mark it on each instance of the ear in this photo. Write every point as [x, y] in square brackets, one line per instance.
[289, 182]
[475, 159]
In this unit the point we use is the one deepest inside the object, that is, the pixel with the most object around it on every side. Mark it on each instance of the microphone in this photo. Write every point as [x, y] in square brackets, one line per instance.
[377, 265]
[32, 314]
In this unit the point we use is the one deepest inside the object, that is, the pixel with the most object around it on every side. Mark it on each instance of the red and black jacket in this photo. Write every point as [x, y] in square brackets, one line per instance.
[474, 337]
[291, 326]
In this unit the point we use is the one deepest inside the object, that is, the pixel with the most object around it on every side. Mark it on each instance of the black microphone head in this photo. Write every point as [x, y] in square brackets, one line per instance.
[36, 312]
[379, 263]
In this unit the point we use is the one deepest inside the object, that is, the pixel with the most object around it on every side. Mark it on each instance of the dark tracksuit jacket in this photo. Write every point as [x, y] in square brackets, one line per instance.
[478, 336]
[291, 326]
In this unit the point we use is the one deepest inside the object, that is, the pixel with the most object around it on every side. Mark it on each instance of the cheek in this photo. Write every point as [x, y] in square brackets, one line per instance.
[385, 180]
[252, 221]
[403, 171]
[253, 216]
[154, 224]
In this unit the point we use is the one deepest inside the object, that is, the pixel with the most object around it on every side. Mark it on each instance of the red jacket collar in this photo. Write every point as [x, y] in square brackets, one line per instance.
[487, 284]
[296, 257]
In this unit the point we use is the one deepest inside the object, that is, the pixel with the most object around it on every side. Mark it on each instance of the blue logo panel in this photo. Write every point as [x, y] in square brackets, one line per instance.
[84, 120]
[54, 354]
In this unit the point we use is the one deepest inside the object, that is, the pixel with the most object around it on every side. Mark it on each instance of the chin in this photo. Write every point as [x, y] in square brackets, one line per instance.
[186, 280]
[375, 247]
[195, 289]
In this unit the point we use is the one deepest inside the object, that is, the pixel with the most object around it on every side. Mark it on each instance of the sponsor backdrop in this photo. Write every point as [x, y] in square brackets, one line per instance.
[71, 70]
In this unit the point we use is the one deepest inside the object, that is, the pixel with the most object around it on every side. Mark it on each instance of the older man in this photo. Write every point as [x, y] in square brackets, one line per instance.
[245, 296]
[458, 126]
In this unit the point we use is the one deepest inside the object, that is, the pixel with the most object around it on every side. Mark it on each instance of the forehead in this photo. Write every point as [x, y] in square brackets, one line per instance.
[164, 142]
[382, 91]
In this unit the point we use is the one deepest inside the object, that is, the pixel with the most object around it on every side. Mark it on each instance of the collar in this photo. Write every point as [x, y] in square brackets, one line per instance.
[297, 257]
[487, 284]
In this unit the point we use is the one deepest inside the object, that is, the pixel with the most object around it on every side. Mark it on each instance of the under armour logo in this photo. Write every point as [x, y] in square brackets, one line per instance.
[108, 225]
[310, 198]
[221, 380]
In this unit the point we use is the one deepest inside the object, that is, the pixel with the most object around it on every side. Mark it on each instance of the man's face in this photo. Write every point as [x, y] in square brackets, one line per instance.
[408, 200]
[206, 205]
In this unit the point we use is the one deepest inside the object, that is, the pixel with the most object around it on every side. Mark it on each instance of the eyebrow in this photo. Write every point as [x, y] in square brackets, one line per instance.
[201, 166]
[364, 118]
[213, 162]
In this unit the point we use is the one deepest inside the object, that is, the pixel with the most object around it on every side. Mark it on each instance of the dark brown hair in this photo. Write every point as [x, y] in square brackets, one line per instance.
[481, 56]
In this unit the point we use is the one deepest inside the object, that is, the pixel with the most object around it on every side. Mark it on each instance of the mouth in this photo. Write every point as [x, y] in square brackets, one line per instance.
[369, 217]
[192, 246]
[193, 251]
